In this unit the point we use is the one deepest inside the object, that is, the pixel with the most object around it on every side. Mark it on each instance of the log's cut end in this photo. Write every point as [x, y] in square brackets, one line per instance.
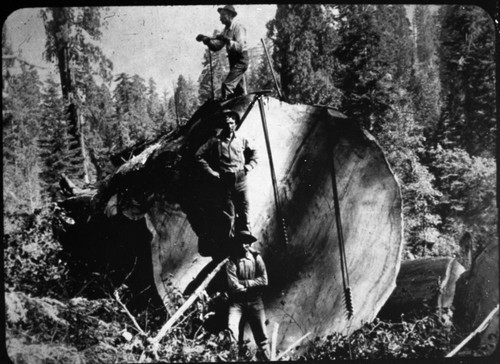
[305, 281]
[423, 284]
[160, 191]
[477, 294]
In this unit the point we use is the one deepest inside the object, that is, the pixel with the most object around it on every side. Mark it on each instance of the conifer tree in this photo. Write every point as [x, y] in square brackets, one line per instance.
[57, 151]
[21, 165]
[132, 123]
[215, 71]
[72, 33]
[303, 40]
[467, 72]
[185, 100]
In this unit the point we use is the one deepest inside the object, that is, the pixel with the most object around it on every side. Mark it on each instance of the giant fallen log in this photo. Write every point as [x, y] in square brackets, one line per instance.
[477, 295]
[161, 190]
[423, 285]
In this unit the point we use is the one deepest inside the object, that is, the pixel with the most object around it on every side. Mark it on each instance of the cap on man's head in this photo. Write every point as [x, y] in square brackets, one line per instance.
[228, 8]
[232, 113]
[244, 237]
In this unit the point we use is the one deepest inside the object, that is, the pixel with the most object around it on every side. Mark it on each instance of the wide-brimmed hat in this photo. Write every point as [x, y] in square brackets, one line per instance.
[244, 237]
[232, 113]
[228, 8]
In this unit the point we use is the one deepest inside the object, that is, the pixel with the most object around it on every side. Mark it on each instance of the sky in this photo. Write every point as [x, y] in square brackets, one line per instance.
[150, 41]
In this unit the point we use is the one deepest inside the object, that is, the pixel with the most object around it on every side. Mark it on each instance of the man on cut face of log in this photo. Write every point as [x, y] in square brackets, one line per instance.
[246, 276]
[227, 158]
[234, 38]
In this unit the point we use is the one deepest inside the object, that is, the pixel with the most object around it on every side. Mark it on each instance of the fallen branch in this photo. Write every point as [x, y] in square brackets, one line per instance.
[163, 331]
[274, 341]
[480, 328]
[117, 297]
[292, 346]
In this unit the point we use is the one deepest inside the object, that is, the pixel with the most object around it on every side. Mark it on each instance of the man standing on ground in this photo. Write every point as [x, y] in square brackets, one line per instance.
[228, 158]
[234, 38]
[247, 275]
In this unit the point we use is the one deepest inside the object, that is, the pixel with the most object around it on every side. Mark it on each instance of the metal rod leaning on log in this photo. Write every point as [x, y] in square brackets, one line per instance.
[479, 329]
[343, 260]
[211, 73]
[163, 331]
[292, 346]
[277, 199]
[272, 70]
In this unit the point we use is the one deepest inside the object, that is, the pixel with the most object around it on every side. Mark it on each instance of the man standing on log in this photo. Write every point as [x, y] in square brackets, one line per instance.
[234, 38]
[228, 158]
[247, 275]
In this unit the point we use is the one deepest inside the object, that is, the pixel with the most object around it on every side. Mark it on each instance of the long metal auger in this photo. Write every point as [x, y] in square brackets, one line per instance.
[343, 260]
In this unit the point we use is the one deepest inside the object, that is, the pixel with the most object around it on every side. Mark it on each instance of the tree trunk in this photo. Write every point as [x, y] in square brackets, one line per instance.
[423, 284]
[60, 34]
[161, 190]
[477, 295]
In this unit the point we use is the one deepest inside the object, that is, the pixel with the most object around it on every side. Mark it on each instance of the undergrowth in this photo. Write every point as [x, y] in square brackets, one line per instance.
[426, 337]
[49, 319]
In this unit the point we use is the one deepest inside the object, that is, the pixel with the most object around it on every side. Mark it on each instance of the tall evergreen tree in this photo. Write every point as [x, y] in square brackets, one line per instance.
[132, 123]
[467, 72]
[213, 72]
[259, 73]
[185, 99]
[57, 151]
[20, 111]
[71, 35]
[153, 102]
[303, 39]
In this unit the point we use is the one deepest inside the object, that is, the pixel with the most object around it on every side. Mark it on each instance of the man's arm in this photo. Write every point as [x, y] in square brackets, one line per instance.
[232, 278]
[213, 44]
[250, 156]
[239, 41]
[260, 279]
[203, 154]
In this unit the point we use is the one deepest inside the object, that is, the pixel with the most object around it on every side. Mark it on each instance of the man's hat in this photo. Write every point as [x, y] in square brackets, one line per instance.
[232, 113]
[228, 8]
[244, 237]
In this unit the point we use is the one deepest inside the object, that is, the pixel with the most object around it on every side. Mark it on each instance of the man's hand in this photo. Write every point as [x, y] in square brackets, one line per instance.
[223, 38]
[215, 174]
[202, 38]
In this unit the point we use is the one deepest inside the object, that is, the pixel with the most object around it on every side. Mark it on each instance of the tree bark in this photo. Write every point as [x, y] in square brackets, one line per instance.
[477, 294]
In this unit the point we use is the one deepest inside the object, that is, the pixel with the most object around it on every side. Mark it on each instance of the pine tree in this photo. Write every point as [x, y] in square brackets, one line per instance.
[72, 33]
[57, 151]
[167, 120]
[153, 102]
[259, 73]
[20, 110]
[185, 99]
[303, 39]
[132, 123]
[214, 72]
[467, 72]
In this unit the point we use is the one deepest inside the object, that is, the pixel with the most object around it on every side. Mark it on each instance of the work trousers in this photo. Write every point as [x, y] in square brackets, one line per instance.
[234, 196]
[235, 83]
[251, 311]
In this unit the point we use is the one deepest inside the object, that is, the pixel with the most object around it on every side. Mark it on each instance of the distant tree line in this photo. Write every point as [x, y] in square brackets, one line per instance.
[425, 88]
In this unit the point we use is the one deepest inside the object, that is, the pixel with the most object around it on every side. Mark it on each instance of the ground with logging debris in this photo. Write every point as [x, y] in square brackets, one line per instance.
[54, 315]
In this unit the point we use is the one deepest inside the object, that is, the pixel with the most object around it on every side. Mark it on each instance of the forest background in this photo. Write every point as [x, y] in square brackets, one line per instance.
[423, 85]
